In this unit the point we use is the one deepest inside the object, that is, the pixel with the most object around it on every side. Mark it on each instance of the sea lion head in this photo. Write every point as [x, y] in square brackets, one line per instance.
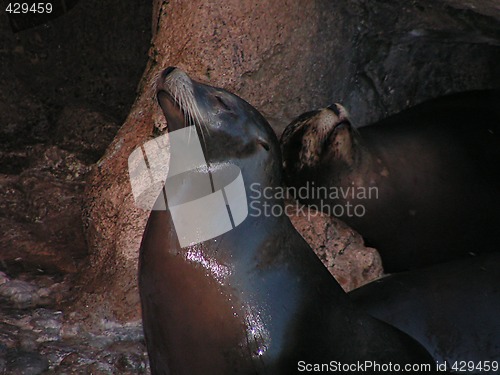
[230, 129]
[318, 138]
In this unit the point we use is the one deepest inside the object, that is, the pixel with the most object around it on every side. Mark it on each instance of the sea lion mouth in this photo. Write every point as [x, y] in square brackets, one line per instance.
[343, 124]
[173, 113]
[175, 95]
[342, 129]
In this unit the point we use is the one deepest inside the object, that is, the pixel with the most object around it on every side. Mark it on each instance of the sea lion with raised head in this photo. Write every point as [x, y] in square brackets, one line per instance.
[422, 186]
[256, 299]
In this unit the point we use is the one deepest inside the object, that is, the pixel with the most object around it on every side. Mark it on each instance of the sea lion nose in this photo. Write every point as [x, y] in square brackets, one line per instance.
[167, 71]
[335, 109]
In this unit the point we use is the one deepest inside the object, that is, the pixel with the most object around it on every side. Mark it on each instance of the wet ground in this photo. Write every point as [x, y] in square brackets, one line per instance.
[37, 338]
[65, 88]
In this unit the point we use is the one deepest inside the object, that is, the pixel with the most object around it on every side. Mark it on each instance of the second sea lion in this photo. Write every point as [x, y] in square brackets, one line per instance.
[422, 186]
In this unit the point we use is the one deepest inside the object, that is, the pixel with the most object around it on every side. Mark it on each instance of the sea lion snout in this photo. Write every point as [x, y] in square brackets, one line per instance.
[175, 94]
[341, 113]
[169, 75]
[171, 80]
[167, 71]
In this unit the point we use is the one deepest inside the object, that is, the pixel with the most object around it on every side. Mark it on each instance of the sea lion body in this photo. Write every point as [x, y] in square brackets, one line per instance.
[254, 300]
[451, 308]
[423, 185]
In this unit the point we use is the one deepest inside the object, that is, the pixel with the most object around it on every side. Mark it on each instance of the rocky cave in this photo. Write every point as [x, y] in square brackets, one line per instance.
[76, 99]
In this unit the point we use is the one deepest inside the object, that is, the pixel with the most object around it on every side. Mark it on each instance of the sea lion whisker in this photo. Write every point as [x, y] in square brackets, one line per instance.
[185, 111]
[188, 110]
[198, 118]
[203, 137]
[184, 103]
[154, 84]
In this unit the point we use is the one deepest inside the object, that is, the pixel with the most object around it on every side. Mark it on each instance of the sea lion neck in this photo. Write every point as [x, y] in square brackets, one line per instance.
[254, 232]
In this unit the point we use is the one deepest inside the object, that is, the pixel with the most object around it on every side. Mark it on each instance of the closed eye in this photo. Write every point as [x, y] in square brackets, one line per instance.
[222, 103]
[263, 144]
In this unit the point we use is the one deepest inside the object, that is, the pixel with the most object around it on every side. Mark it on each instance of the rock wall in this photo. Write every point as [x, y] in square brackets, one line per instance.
[65, 88]
[284, 57]
[374, 57]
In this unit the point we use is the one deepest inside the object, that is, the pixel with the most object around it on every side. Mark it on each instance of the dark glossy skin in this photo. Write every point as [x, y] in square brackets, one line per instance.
[452, 308]
[436, 167]
[255, 300]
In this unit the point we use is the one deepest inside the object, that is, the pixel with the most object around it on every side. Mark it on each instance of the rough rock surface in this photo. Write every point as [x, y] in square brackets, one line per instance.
[65, 87]
[487, 7]
[35, 337]
[40, 214]
[374, 57]
[339, 247]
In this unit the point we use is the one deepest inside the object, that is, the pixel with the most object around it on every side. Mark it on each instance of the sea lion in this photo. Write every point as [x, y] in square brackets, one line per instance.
[422, 186]
[256, 299]
[451, 308]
